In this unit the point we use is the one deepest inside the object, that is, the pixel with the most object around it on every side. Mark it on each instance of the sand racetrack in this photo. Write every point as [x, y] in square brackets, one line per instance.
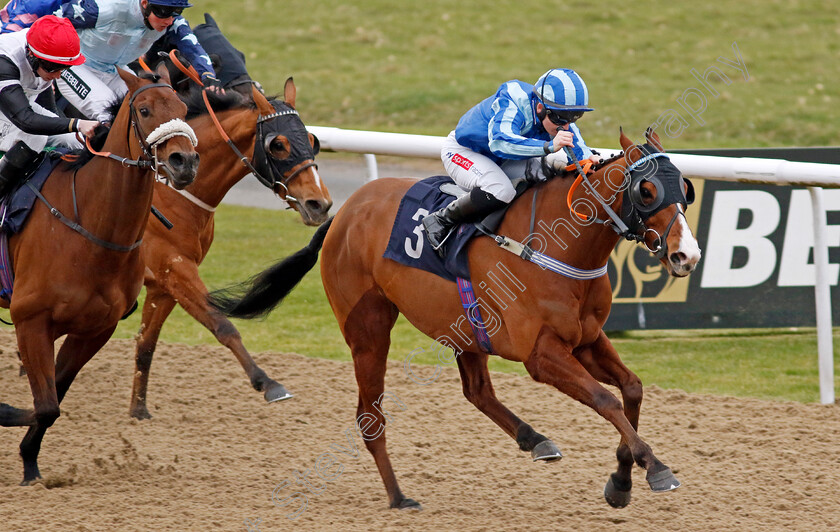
[214, 451]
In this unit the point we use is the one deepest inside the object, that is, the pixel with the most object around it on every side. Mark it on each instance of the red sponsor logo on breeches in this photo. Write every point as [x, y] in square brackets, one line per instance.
[463, 162]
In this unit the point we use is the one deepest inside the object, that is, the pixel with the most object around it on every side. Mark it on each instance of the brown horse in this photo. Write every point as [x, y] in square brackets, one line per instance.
[551, 323]
[79, 279]
[172, 256]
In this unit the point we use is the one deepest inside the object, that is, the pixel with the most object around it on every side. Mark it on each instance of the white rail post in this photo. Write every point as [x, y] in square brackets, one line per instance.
[822, 292]
[372, 168]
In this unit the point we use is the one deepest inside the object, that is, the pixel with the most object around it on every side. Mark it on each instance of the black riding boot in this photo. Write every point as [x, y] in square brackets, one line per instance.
[468, 208]
[15, 165]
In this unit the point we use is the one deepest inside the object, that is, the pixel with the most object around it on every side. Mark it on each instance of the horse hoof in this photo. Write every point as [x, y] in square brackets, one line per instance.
[546, 451]
[276, 393]
[407, 504]
[31, 481]
[663, 481]
[615, 497]
[140, 413]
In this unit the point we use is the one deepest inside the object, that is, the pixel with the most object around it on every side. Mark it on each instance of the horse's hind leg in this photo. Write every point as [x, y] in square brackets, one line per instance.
[367, 331]
[156, 309]
[478, 389]
[602, 362]
[552, 362]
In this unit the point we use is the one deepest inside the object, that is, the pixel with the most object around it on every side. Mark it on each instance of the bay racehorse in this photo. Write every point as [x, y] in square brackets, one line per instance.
[76, 274]
[284, 164]
[551, 323]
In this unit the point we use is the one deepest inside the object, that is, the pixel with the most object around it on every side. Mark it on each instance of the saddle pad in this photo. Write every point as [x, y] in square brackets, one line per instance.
[408, 244]
[15, 210]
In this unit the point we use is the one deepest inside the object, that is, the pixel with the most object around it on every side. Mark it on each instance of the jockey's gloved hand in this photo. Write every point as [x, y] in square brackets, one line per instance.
[537, 169]
[212, 83]
[557, 161]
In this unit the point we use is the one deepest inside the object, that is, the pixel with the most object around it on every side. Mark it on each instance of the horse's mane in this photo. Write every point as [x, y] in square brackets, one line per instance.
[219, 102]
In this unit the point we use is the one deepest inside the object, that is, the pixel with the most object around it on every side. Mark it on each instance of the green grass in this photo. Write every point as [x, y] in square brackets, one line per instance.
[772, 364]
[415, 67]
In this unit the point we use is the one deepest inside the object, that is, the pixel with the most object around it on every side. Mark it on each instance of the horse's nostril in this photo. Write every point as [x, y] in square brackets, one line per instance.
[678, 257]
[177, 160]
[317, 206]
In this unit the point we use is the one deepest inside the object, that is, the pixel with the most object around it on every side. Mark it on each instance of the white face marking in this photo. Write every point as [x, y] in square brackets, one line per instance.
[688, 244]
[317, 178]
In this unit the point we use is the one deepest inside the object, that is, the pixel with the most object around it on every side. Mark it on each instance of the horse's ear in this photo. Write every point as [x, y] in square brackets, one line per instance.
[263, 105]
[625, 142]
[210, 21]
[290, 92]
[653, 138]
[632, 153]
[163, 72]
[129, 79]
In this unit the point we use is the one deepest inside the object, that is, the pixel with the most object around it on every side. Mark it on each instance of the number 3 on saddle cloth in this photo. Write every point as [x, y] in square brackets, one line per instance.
[14, 211]
[408, 246]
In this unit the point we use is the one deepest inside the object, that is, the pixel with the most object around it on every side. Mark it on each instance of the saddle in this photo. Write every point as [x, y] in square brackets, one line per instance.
[407, 244]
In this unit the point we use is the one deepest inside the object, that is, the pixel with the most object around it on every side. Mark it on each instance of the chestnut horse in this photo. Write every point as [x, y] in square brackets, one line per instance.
[550, 322]
[172, 256]
[78, 279]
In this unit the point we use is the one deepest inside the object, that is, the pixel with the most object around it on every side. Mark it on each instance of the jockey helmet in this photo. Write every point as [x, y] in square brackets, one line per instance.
[54, 40]
[562, 89]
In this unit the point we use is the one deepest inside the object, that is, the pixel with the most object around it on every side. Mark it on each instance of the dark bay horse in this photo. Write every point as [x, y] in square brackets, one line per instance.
[551, 323]
[172, 256]
[79, 283]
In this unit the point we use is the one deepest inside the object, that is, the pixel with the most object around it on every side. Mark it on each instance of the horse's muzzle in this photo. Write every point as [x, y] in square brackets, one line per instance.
[182, 168]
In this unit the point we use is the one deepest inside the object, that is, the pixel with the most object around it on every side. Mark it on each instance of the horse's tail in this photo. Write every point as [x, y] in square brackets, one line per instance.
[259, 295]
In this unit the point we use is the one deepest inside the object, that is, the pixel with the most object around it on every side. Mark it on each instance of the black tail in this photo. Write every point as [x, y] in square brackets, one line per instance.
[258, 296]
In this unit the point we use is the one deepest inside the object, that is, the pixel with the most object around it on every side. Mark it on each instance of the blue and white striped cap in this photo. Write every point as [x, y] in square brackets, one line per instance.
[562, 89]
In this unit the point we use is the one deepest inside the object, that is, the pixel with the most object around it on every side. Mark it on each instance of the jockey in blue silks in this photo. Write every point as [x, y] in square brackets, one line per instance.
[113, 33]
[505, 137]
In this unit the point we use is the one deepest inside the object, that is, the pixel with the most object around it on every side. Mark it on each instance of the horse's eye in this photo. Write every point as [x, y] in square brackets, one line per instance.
[646, 193]
[144, 112]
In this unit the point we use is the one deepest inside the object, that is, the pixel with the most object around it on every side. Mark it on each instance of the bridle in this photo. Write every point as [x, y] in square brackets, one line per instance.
[149, 143]
[631, 224]
[148, 160]
[264, 167]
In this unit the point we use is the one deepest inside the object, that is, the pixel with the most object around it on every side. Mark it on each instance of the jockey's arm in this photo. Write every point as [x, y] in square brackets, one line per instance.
[83, 14]
[503, 139]
[20, 14]
[182, 36]
[16, 107]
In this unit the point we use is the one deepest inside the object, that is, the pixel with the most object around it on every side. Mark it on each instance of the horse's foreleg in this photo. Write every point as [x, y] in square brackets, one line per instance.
[37, 354]
[478, 389]
[552, 362]
[367, 331]
[602, 362]
[183, 283]
[156, 309]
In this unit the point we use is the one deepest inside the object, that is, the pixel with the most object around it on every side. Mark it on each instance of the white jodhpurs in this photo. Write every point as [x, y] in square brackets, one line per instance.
[470, 169]
[91, 91]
